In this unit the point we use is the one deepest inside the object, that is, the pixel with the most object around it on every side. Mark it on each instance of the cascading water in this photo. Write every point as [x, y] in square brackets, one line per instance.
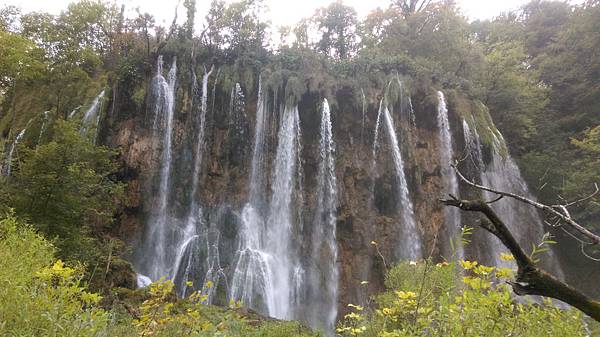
[257, 174]
[91, 118]
[237, 128]
[364, 114]
[237, 110]
[280, 223]
[411, 111]
[283, 266]
[73, 112]
[11, 152]
[251, 281]
[473, 147]
[263, 276]
[157, 253]
[323, 282]
[43, 127]
[452, 218]
[410, 247]
[502, 173]
[197, 258]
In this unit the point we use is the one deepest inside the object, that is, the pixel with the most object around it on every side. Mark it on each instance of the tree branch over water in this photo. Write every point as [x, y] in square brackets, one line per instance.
[560, 212]
[530, 280]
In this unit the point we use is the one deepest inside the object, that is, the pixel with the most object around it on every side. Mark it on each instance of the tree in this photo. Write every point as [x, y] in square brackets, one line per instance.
[531, 279]
[144, 22]
[74, 43]
[512, 92]
[20, 59]
[337, 26]
[67, 188]
[213, 33]
[237, 27]
[540, 83]
[190, 6]
[588, 171]
[301, 34]
[8, 18]
[409, 7]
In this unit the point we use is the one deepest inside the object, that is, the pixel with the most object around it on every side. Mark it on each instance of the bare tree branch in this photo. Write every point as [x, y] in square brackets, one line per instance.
[530, 279]
[171, 29]
[559, 211]
[493, 201]
[572, 203]
[423, 5]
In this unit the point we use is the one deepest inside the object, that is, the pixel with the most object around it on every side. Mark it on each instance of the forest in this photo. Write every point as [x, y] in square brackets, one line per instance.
[408, 173]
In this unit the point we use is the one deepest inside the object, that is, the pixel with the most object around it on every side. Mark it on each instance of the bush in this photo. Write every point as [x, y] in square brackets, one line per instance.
[39, 297]
[450, 299]
[67, 189]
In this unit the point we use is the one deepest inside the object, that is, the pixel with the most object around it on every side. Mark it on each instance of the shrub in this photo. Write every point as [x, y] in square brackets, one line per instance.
[457, 299]
[40, 296]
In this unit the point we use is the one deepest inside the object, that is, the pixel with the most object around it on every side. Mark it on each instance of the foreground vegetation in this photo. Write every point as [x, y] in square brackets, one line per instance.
[457, 299]
[40, 295]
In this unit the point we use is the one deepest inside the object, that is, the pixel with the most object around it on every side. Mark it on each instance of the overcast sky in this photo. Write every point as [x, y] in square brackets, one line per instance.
[282, 12]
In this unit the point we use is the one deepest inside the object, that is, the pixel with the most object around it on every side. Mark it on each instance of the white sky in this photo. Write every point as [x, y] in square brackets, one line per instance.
[282, 12]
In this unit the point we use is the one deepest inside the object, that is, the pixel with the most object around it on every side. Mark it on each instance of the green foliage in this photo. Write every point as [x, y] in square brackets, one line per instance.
[429, 300]
[237, 27]
[67, 189]
[541, 248]
[545, 93]
[337, 25]
[159, 315]
[582, 180]
[20, 59]
[40, 298]
[190, 6]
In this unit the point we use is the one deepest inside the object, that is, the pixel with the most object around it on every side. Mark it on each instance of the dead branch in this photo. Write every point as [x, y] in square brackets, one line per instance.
[584, 199]
[172, 30]
[530, 280]
[559, 211]
[494, 200]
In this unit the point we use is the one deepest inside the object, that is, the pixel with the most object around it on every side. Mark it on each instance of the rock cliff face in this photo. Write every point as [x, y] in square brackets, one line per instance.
[367, 209]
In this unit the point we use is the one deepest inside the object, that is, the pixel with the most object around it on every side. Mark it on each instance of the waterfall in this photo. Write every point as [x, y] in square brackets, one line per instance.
[411, 112]
[73, 112]
[502, 173]
[364, 113]
[237, 111]
[280, 223]
[11, 152]
[91, 118]
[157, 253]
[197, 257]
[198, 260]
[263, 276]
[43, 127]
[198, 157]
[324, 271]
[257, 174]
[237, 127]
[251, 281]
[452, 218]
[142, 281]
[473, 147]
[411, 242]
